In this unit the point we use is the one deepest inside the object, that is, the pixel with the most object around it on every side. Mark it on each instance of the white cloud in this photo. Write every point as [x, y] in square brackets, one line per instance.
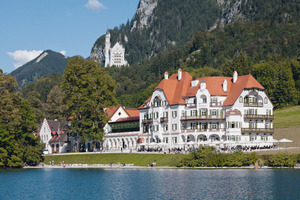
[21, 57]
[63, 52]
[94, 5]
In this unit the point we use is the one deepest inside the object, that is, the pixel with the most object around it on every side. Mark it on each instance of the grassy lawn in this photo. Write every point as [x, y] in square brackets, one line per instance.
[136, 159]
[287, 117]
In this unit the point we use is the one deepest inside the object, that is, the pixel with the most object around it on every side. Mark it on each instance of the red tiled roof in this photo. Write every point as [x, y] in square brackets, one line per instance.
[110, 111]
[132, 112]
[175, 90]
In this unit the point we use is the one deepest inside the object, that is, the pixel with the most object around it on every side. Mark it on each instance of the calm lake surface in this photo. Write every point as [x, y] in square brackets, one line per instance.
[149, 184]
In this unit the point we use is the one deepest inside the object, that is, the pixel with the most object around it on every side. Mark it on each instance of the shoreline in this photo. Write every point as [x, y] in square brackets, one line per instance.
[131, 166]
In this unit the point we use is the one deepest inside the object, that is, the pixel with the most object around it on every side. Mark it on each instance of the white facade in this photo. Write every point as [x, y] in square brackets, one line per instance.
[114, 55]
[209, 119]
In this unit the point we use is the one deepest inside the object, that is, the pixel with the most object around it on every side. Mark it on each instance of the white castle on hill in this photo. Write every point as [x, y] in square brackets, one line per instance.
[114, 55]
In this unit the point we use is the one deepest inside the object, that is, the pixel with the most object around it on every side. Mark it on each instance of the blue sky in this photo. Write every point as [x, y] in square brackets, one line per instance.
[28, 27]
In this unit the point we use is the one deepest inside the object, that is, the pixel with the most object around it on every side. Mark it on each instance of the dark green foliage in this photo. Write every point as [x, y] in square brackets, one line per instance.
[208, 157]
[17, 124]
[253, 40]
[52, 63]
[87, 90]
[42, 86]
[282, 160]
[275, 74]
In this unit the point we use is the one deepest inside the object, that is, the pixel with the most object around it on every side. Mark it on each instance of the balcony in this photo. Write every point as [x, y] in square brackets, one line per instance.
[261, 117]
[216, 104]
[253, 104]
[204, 117]
[163, 119]
[257, 130]
[191, 105]
[147, 121]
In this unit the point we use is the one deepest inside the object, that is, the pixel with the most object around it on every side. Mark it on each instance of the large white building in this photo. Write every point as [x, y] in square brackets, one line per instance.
[114, 55]
[225, 111]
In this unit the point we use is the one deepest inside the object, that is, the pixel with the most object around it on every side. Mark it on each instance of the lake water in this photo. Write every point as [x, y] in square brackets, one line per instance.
[149, 184]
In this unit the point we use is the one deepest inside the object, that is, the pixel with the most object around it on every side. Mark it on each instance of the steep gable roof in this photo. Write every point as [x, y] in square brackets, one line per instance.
[110, 111]
[243, 82]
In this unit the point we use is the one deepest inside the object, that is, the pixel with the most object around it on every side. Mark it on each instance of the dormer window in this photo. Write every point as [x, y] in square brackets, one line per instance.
[157, 101]
[203, 85]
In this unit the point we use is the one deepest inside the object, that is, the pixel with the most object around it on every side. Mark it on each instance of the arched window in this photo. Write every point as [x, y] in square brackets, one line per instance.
[241, 99]
[266, 100]
[203, 99]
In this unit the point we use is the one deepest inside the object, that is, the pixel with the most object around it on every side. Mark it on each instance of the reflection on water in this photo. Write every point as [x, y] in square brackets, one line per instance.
[149, 184]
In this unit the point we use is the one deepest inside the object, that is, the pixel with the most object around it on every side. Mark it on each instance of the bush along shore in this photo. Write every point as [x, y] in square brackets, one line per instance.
[208, 157]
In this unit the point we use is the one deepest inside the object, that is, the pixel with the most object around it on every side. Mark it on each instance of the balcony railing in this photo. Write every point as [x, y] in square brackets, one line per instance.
[253, 104]
[191, 105]
[163, 119]
[257, 130]
[216, 104]
[203, 117]
[147, 121]
[254, 116]
[202, 130]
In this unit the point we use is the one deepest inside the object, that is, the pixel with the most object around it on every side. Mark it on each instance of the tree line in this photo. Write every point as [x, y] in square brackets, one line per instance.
[206, 156]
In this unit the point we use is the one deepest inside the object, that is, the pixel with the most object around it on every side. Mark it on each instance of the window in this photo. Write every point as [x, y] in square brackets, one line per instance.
[241, 99]
[203, 112]
[175, 140]
[174, 127]
[174, 114]
[194, 113]
[155, 115]
[193, 126]
[183, 113]
[150, 115]
[214, 113]
[183, 126]
[232, 125]
[266, 100]
[203, 126]
[204, 100]
[166, 127]
[165, 139]
[214, 126]
[166, 114]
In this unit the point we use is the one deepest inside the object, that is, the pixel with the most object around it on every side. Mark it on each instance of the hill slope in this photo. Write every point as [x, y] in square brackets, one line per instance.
[163, 24]
[46, 63]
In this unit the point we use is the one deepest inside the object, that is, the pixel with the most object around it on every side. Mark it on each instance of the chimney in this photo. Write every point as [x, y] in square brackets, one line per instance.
[225, 86]
[235, 76]
[166, 75]
[179, 74]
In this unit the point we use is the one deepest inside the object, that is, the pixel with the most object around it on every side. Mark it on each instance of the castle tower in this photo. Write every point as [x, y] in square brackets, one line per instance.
[107, 48]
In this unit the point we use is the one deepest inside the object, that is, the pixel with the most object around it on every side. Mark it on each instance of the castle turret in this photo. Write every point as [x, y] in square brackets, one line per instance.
[107, 49]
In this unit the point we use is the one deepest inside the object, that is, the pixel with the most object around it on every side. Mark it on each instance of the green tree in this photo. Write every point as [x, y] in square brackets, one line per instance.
[88, 89]
[55, 109]
[17, 123]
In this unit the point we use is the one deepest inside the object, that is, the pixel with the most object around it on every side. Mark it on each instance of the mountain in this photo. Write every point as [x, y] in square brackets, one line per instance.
[46, 63]
[159, 25]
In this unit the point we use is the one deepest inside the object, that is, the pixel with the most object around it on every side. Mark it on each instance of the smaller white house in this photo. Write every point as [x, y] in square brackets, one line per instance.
[53, 136]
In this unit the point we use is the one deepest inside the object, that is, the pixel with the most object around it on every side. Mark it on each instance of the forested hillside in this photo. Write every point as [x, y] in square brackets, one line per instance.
[46, 63]
[159, 25]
